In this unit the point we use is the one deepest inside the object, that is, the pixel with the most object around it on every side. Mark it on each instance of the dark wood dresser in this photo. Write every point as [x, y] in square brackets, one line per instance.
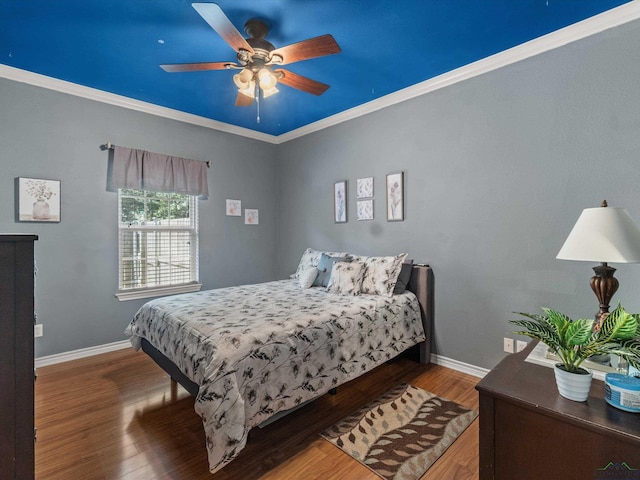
[528, 431]
[16, 357]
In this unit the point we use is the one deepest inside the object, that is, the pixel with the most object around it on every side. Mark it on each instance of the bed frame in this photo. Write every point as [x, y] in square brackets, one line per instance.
[421, 283]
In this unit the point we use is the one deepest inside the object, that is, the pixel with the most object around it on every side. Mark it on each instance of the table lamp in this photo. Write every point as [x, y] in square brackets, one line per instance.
[603, 234]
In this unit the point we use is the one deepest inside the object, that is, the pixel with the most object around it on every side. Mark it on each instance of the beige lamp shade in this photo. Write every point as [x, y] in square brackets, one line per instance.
[603, 234]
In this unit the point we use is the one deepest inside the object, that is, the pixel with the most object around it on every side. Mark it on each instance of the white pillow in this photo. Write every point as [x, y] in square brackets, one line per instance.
[382, 274]
[307, 277]
[309, 258]
[346, 278]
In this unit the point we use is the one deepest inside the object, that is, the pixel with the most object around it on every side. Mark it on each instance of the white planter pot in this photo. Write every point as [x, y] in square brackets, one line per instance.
[574, 386]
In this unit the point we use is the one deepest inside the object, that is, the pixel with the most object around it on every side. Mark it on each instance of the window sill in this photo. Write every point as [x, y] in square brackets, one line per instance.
[157, 292]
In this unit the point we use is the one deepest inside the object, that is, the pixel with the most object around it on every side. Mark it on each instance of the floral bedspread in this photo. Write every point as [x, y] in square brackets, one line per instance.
[259, 349]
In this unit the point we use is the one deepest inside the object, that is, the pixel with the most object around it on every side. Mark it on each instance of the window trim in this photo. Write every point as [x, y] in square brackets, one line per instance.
[138, 293]
[157, 291]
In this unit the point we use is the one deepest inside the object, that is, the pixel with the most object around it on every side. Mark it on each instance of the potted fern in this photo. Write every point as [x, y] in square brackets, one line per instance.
[575, 340]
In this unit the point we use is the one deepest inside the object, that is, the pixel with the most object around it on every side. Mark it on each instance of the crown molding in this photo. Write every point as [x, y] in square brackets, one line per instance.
[591, 26]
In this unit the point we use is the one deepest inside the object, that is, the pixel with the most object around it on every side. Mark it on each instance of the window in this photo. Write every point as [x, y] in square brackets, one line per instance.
[158, 244]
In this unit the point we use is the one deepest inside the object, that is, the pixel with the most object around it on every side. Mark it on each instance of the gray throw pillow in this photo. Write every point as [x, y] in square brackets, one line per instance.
[404, 277]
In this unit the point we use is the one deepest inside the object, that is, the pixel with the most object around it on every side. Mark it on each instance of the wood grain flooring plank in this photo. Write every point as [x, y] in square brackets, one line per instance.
[118, 416]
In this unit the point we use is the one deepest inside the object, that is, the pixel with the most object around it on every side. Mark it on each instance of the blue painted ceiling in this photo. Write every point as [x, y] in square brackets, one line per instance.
[117, 46]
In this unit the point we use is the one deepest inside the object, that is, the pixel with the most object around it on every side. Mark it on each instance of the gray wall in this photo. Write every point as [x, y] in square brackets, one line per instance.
[497, 170]
[46, 134]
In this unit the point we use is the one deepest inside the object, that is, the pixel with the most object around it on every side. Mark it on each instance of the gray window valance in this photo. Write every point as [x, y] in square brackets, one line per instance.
[142, 170]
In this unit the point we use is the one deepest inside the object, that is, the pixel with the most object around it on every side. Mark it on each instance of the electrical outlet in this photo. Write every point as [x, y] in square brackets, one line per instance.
[508, 345]
[37, 330]
[521, 345]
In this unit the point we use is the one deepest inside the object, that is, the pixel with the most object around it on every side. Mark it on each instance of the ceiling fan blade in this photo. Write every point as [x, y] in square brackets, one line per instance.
[243, 101]
[193, 67]
[311, 48]
[216, 18]
[299, 82]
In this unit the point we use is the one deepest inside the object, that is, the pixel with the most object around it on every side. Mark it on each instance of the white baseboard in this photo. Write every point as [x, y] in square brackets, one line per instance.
[459, 366]
[81, 353]
[110, 347]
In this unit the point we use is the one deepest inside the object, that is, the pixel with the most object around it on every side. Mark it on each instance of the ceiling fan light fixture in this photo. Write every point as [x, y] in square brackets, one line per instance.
[249, 90]
[268, 92]
[243, 79]
[267, 79]
[256, 56]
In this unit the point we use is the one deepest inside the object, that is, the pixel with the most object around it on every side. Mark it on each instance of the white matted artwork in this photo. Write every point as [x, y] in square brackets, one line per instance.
[38, 200]
[340, 201]
[251, 216]
[364, 188]
[365, 209]
[395, 197]
[234, 208]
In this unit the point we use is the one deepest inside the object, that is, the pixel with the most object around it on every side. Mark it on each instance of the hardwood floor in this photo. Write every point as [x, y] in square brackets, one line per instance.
[117, 416]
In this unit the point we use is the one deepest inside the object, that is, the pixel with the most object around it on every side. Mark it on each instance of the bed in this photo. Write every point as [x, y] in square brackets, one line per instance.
[247, 353]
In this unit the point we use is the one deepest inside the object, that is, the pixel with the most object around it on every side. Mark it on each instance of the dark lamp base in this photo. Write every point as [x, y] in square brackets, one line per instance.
[604, 285]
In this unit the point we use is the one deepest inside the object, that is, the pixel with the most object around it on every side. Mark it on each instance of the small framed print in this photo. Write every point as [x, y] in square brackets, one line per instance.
[395, 197]
[37, 200]
[234, 208]
[251, 216]
[365, 209]
[340, 201]
[364, 188]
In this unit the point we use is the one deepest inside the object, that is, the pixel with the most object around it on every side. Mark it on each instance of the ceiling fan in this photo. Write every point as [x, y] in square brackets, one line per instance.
[257, 57]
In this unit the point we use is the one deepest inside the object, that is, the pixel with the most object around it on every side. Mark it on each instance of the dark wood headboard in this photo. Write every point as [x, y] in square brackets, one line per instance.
[422, 284]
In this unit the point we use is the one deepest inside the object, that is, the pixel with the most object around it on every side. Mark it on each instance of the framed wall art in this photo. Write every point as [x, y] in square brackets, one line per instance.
[340, 201]
[251, 216]
[365, 209]
[234, 208]
[364, 188]
[395, 197]
[37, 200]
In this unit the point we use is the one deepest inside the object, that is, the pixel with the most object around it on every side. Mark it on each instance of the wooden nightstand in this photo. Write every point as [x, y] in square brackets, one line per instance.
[528, 431]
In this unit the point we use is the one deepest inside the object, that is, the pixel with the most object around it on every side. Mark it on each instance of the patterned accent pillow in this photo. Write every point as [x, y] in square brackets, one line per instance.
[358, 258]
[346, 278]
[307, 277]
[311, 257]
[382, 274]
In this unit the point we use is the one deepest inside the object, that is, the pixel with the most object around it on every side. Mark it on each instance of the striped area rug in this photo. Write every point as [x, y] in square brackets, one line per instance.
[402, 433]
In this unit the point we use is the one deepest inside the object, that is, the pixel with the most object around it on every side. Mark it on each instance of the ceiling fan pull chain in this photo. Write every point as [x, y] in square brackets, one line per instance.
[258, 103]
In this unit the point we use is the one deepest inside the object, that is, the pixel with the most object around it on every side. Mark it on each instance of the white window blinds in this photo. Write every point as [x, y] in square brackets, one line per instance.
[158, 240]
